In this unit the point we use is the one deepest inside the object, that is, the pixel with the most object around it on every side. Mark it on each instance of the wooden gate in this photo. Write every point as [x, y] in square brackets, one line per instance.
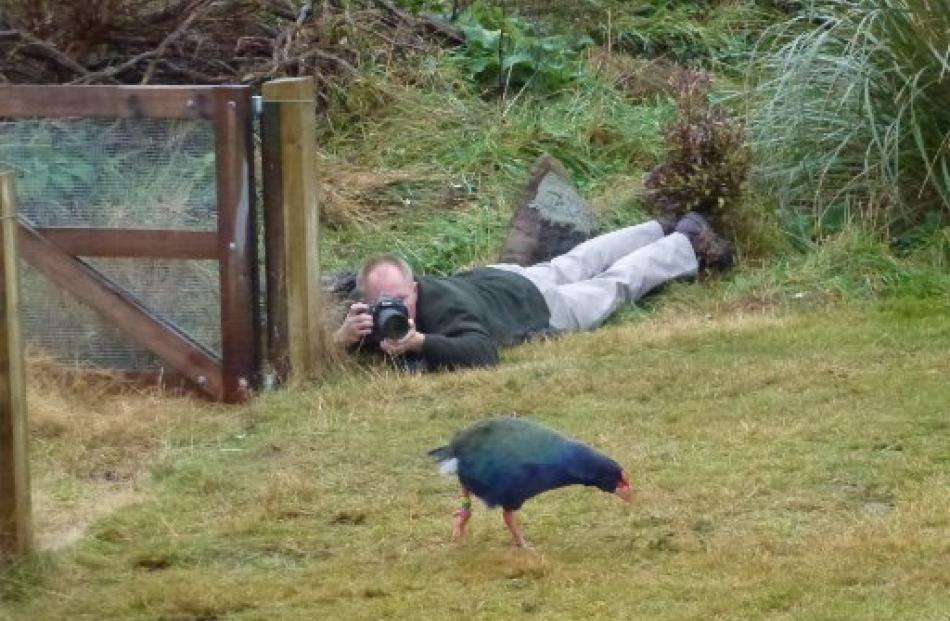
[56, 252]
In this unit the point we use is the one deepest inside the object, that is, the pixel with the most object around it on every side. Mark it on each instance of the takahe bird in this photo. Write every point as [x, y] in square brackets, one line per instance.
[506, 460]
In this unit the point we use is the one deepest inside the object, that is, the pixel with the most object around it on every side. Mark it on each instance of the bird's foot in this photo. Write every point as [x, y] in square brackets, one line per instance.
[461, 516]
[517, 536]
[459, 520]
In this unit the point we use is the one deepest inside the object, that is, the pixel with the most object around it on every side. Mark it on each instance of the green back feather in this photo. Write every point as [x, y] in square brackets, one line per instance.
[508, 438]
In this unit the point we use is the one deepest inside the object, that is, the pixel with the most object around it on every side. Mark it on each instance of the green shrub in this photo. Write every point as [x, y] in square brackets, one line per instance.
[850, 117]
[508, 53]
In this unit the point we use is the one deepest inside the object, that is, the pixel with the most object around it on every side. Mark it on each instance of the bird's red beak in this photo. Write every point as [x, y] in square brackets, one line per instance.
[623, 488]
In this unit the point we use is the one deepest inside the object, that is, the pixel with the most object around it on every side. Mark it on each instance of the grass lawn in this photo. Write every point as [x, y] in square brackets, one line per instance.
[787, 428]
[793, 465]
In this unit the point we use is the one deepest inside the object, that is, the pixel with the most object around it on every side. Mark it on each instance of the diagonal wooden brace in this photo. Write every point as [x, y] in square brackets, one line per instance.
[121, 308]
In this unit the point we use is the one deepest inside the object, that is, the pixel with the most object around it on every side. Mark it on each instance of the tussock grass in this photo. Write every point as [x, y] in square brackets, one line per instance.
[369, 211]
[787, 465]
[850, 115]
[363, 199]
[717, 35]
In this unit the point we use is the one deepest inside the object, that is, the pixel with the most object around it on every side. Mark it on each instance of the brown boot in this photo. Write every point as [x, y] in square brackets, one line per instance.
[713, 252]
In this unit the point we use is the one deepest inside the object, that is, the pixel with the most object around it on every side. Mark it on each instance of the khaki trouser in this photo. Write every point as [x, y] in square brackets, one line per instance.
[587, 284]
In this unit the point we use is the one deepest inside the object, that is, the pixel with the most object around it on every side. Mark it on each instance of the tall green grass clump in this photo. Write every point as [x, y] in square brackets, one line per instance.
[695, 34]
[850, 117]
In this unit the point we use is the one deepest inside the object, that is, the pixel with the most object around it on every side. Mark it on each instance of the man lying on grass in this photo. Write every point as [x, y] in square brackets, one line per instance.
[429, 323]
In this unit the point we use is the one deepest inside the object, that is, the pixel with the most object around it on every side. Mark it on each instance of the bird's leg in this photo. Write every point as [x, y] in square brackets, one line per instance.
[511, 521]
[461, 516]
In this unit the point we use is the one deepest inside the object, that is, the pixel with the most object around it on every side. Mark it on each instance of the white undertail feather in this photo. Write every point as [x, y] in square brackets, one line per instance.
[449, 466]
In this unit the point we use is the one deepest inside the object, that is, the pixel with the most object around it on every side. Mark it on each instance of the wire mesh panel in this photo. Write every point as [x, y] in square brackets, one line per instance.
[122, 174]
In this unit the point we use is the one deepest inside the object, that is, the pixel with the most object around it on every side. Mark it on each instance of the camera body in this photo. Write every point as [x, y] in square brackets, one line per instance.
[390, 319]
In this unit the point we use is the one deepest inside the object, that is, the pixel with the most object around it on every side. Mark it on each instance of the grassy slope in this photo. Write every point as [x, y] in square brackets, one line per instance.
[788, 466]
[449, 165]
[803, 476]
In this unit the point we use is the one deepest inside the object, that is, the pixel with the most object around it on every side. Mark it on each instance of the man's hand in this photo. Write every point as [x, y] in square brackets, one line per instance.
[357, 324]
[411, 342]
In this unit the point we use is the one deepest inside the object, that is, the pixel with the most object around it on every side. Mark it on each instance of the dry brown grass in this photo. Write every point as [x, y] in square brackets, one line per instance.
[94, 437]
[363, 198]
[639, 79]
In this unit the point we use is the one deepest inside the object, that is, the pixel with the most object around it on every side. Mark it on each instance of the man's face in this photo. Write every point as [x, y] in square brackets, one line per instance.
[387, 280]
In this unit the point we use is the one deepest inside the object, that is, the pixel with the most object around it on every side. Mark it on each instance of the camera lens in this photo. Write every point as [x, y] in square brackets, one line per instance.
[393, 324]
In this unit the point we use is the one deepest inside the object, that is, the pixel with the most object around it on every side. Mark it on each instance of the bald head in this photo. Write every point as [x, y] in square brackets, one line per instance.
[388, 275]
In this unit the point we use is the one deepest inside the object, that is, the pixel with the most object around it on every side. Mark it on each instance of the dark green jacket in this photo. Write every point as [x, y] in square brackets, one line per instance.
[467, 317]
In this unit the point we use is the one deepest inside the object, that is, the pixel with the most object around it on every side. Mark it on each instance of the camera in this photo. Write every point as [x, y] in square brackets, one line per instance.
[390, 319]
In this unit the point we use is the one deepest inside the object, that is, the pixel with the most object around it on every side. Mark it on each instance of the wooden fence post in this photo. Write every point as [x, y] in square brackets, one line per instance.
[291, 221]
[15, 526]
[237, 241]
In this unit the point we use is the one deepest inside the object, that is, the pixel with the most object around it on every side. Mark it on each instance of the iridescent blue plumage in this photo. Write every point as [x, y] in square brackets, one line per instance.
[507, 460]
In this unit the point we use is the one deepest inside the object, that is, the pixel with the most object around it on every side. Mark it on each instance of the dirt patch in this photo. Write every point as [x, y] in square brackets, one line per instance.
[93, 441]
[59, 523]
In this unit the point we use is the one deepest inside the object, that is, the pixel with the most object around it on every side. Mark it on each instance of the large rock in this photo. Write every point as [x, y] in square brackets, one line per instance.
[550, 217]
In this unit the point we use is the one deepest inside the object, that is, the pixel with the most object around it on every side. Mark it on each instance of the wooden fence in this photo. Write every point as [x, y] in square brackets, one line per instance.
[291, 249]
[55, 252]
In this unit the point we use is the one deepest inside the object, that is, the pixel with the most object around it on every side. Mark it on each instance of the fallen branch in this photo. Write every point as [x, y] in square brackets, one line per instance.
[302, 58]
[281, 9]
[48, 51]
[434, 25]
[218, 41]
[192, 75]
[111, 71]
[167, 13]
[196, 10]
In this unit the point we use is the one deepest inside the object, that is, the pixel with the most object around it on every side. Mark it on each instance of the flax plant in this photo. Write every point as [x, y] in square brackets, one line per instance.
[850, 115]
